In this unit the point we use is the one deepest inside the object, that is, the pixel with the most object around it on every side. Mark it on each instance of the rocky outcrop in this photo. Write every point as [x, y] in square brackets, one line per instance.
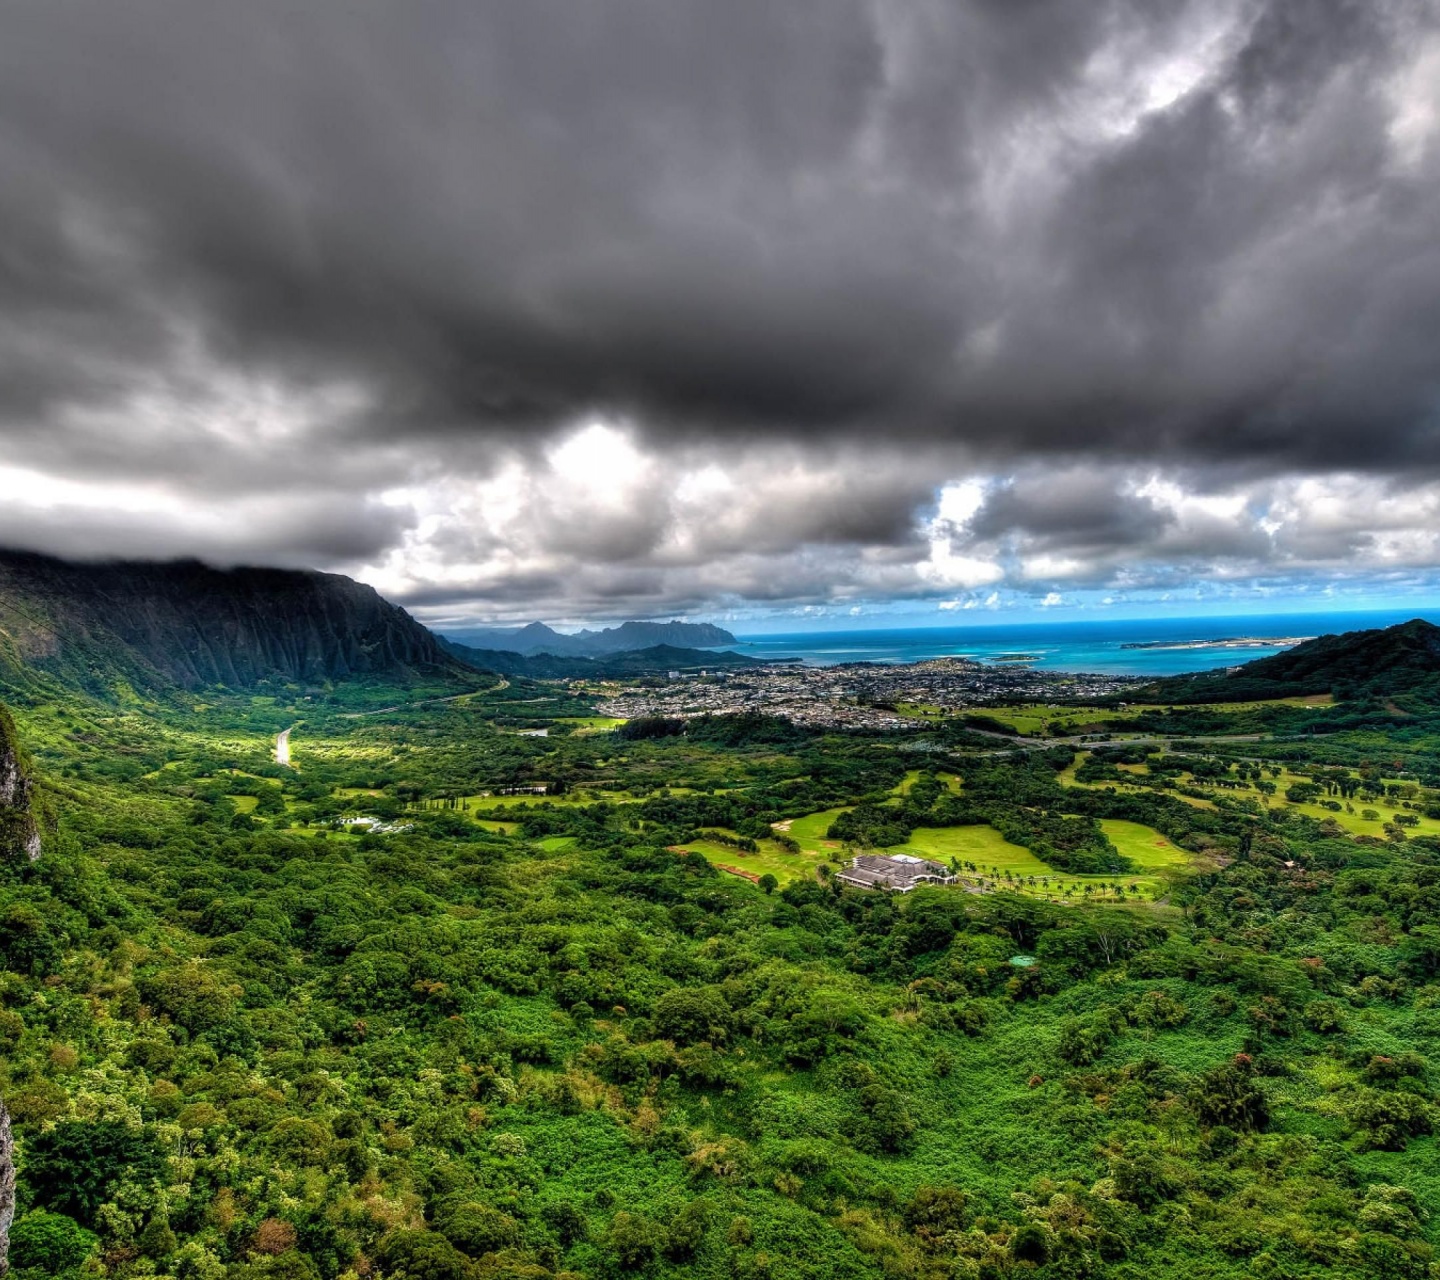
[184, 623]
[7, 1187]
[19, 833]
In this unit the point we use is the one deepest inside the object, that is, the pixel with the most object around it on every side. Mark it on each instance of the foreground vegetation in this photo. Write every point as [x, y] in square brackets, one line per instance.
[482, 1034]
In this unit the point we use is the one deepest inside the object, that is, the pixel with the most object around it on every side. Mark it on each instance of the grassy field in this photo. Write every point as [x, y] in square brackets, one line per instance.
[809, 831]
[772, 859]
[913, 776]
[591, 724]
[1037, 720]
[1351, 822]
[1144, 846]
[478, 804]
[505, 828]
[1033, 721]
[982, 845]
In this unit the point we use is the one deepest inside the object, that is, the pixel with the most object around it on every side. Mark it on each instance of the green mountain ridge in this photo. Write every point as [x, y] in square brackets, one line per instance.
[1382, 663]
[184, 624]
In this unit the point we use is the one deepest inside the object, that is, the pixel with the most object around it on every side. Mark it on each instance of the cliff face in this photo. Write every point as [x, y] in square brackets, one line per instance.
[187, 624]
[19, 835]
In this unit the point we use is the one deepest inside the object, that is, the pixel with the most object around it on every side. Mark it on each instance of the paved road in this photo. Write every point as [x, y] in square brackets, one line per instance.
[282, 748]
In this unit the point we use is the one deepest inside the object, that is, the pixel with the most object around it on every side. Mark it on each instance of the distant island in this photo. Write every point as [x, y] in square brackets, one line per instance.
[1228, 642]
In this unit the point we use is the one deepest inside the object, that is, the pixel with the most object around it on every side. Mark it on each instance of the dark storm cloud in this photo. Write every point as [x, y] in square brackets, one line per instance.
[760, 219]
[845, 252]
[1071, 509]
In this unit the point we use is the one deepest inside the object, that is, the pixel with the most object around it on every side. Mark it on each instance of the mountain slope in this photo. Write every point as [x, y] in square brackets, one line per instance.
[184, 623]
[1403, 659]
[537, 638]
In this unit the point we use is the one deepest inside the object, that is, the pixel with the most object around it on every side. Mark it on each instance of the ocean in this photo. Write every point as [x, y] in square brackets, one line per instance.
[1092, 646]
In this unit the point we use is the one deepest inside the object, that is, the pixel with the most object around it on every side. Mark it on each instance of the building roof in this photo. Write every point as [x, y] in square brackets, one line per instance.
[893, 871]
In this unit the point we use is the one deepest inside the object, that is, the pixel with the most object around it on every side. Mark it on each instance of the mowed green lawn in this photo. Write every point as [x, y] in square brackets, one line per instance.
[982, 845]
[809, 832]
[1144, 846]
[772, 859]
[912, 776]
[1352, 822]
[591, 724]
[998, 863]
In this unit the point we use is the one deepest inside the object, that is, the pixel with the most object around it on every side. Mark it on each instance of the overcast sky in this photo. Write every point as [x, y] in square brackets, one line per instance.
[730, 308]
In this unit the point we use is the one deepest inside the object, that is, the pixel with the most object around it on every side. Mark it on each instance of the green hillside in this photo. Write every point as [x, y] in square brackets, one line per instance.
[388, 1012]
[1403, 659]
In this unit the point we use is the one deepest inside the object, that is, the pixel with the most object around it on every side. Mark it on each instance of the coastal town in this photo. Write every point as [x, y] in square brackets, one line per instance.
[855, 695]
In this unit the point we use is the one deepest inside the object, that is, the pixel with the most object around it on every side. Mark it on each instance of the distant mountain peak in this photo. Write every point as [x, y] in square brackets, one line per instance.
[537, 638]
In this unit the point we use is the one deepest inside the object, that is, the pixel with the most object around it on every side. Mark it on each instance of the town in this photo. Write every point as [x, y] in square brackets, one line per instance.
[858, 695]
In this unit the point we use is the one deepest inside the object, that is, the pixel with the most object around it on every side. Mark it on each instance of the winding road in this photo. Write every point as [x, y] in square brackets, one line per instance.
[282, 747]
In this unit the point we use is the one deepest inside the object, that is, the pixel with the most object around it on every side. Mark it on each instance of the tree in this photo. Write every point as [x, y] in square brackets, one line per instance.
[687, 1231]
[478, 1229]
[566, 1221]
[50, 1243]
[72, 1168]
[768, 883]
[690, 1015]
[423, 1255]
[1229, 1096]
[635, 1241]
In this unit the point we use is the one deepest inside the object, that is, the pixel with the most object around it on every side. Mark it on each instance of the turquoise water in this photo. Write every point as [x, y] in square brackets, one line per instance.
[1071, 646]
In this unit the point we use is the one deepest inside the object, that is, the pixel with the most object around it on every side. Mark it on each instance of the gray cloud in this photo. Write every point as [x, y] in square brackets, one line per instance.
[813, 262]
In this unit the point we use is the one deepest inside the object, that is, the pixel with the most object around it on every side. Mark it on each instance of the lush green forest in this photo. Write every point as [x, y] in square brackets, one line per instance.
[389, 1012]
